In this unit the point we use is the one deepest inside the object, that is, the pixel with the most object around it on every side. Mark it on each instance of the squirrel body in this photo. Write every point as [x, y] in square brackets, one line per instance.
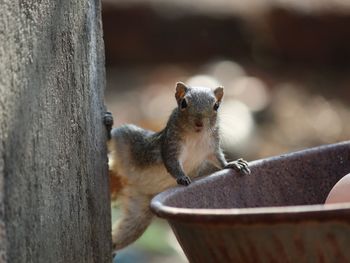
[144, 163]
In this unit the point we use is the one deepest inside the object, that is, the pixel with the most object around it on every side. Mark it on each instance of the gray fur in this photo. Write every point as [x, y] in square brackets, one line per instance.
[143, 144]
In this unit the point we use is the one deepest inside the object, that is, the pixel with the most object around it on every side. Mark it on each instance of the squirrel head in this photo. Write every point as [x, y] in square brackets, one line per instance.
[198, 106]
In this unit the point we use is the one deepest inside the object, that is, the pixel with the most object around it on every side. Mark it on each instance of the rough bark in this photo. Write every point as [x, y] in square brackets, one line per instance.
[54, 200]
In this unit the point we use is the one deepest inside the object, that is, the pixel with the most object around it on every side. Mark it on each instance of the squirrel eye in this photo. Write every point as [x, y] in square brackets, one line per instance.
[183, 104]
[216, 106]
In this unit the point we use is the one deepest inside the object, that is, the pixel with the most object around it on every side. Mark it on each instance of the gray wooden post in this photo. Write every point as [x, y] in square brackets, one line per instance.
[54, 200]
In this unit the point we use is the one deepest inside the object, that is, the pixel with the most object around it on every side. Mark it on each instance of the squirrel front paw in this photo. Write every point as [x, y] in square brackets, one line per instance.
[108, 122]
[239, 165]
[183, 180]
[108, 119]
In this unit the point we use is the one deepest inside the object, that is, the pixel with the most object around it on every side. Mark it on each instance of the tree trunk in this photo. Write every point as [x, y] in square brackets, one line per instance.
[54, 198]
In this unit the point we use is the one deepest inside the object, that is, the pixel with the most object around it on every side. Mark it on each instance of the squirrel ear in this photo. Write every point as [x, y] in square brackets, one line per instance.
[219, 93]
[181, 90]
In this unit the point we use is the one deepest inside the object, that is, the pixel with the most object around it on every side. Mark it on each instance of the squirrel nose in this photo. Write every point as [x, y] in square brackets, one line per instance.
[199, 124]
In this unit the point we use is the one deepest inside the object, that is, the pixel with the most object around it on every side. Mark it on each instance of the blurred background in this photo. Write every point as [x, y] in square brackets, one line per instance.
[284, 65]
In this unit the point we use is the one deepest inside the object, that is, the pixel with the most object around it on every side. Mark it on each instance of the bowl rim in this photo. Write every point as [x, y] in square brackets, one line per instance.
[314, 212]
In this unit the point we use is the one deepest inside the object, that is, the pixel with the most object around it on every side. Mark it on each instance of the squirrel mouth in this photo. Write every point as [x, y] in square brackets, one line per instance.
[198, 126]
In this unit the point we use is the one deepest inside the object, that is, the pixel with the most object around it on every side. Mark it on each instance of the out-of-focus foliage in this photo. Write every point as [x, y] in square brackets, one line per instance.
[264, 113]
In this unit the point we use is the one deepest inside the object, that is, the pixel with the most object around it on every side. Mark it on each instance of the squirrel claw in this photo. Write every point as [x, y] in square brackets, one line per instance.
[108, 119]
[240, 166]
[108, 122]
[184, 180]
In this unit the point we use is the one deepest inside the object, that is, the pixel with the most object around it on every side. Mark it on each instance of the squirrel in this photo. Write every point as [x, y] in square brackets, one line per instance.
[143, 163]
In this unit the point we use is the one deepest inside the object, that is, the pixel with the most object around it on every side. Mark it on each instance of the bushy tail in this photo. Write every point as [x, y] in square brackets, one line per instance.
[135, 219]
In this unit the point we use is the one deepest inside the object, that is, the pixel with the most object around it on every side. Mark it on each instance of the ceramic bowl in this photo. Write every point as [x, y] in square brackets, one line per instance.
[276, 214]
